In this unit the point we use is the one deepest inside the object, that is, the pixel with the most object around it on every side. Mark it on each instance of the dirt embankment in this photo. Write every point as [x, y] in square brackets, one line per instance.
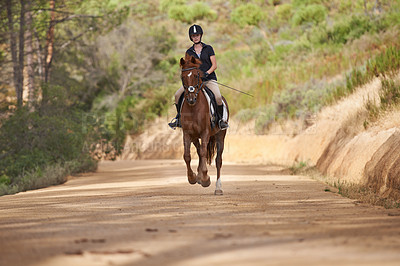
[336, 142]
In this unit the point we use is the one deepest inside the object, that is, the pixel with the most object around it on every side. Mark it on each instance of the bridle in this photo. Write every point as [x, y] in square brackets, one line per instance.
[192, 89]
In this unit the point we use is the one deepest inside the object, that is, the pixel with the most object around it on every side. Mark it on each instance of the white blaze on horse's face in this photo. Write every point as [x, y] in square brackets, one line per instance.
[189, 74]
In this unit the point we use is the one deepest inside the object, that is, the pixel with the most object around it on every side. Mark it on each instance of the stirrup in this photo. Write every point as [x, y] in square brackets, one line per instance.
[223, 125]
[174, 124]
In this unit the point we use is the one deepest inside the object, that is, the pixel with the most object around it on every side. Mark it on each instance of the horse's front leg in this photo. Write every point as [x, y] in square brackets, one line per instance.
[192, 178]
[197, 144]
[204, 178]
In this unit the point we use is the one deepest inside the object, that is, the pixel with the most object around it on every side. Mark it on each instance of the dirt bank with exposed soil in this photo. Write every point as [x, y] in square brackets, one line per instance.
[336, 142]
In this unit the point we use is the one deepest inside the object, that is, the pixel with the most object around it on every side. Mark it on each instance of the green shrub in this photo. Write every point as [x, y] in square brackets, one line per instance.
[345, 6]
[309, 14]
[350, 29]
[200, 10]
[132, 112]
[5, 180]
[180, 13]
[318, 34]
[386, 63]
[340, 32]
[31, 140]
[165, 5]
[189, 14]
[284, 12]
[306, 2]
[257, 2]
[54, 134]
[247, 14]
[48, 175]
[393, 18]
[389, 94]
[265, 116]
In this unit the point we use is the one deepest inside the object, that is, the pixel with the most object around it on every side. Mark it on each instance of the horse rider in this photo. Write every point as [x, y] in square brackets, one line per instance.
[206, 54]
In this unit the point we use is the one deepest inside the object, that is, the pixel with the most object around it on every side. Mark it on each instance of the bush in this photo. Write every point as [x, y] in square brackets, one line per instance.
[201, 10]
[309, 14]
[165, 5]
[393, 18]
[247, 14]
[189, 14]
[390, 94]
[180, 13]
[284, 12]
[53, 135]
[306, 2]
[350, 29]
[387, 64]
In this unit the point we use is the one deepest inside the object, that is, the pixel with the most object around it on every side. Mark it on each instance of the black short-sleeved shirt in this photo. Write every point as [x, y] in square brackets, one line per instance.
[206, 52]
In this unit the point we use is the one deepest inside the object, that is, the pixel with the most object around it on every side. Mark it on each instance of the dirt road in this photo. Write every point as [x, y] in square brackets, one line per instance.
[145, 213]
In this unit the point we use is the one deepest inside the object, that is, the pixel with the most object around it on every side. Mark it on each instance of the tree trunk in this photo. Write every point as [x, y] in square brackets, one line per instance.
[39, 56]
[29, 58]
[13, 47]
[50, 41]
[21, 53]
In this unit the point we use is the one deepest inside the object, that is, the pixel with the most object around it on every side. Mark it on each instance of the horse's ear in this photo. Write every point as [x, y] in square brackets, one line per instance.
[193, 60]
[187, 57]
[182, 62]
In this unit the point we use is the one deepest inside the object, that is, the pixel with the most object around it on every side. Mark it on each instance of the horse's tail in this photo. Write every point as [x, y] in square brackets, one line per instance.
[211, 148]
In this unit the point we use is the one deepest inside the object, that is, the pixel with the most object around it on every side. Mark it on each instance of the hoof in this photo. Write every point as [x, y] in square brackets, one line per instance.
[206, 183]
[218, 192]
[192, 179]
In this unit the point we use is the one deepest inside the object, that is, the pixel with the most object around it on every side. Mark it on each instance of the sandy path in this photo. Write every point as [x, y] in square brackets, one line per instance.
[145, 213]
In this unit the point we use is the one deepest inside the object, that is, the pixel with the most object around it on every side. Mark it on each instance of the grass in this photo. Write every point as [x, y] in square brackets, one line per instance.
[389, 98]
[48, 176]
[296, 100]
[365, 195]
[360, 193]
[274, 61]
[298, 167]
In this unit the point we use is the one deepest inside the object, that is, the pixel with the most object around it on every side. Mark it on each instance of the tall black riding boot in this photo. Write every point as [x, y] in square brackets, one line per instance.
[176, 123]
[222, 124]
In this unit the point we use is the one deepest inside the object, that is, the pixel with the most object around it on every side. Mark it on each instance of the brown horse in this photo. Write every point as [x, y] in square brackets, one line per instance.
[196, 125]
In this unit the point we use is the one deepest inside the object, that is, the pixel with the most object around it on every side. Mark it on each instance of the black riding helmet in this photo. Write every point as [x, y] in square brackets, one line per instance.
[195, 29]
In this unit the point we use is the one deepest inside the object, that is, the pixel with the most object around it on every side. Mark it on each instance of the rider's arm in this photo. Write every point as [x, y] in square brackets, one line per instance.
[214, 64]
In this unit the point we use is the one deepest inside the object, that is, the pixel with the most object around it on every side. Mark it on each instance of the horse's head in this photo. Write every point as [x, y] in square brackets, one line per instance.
[191, 78]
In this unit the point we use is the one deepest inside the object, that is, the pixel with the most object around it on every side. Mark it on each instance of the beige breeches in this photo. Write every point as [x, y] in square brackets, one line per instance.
[213, 86]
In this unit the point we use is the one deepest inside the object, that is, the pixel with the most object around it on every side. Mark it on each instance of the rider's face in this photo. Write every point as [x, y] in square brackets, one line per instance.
[196, 38]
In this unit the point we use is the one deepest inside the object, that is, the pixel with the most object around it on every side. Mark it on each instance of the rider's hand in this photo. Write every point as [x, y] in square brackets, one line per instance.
[205, 76]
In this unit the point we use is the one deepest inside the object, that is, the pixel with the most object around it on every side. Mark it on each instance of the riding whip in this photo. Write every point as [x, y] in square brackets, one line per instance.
[230, 87]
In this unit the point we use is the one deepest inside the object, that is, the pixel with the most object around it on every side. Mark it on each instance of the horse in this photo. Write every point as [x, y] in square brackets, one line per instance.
[196, 125]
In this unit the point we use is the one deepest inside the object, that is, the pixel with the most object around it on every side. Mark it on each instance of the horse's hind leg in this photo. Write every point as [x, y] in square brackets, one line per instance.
[186, 156]
[220, 139]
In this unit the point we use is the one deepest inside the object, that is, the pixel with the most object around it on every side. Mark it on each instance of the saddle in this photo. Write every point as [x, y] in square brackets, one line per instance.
[212, 103]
